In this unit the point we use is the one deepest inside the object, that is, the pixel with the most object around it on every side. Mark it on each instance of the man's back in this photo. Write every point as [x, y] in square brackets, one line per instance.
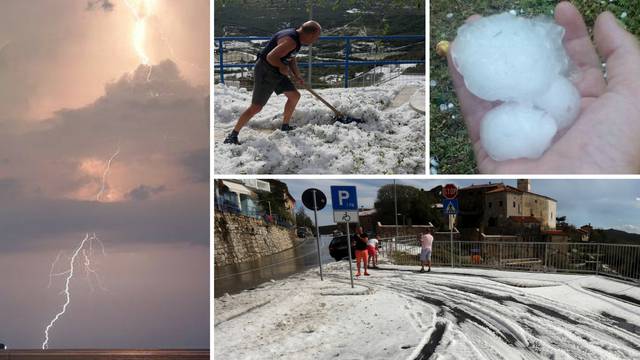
[427, 241]
[292, 33]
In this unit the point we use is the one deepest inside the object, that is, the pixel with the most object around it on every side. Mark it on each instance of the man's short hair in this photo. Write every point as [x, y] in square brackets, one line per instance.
[310, 27]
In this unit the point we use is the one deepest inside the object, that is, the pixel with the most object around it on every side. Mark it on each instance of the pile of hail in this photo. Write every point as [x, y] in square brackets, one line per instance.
[521, 64]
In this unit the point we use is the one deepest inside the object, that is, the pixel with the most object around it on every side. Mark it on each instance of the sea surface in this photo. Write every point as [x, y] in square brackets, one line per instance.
[103, 354]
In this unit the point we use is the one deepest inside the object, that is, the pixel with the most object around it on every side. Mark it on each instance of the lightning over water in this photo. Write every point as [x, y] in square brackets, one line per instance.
[85, 252]
[66, 292]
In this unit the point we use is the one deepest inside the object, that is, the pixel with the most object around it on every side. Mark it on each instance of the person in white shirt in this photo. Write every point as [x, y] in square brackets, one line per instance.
[372, 248]
[426, 242]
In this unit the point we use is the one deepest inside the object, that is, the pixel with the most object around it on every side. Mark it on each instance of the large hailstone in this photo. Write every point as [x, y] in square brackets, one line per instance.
[528, 134]
[523, 62]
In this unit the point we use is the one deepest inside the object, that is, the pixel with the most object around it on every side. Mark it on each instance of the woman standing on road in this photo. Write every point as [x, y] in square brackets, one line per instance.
[372, 248]
[361, 250]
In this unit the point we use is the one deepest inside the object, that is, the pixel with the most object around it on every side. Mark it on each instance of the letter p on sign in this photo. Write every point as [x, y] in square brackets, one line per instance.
[344, 198]
[342, 195]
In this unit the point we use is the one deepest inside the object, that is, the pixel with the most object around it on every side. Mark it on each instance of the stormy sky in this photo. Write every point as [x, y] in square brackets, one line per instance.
[603, 203]
[73, 93]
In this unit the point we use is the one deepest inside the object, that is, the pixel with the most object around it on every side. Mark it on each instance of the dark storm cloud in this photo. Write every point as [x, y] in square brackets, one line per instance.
[105, 5]
[197, 163]
[138, 114]
[31, 223]
[144, 192]
[152, 122]
[8, 185]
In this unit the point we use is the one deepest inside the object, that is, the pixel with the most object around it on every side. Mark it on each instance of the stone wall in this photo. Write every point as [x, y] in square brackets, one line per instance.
[240, 238]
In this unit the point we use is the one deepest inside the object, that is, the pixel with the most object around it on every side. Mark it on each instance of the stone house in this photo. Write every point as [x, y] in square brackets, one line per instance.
[496, 205]
[239, 195]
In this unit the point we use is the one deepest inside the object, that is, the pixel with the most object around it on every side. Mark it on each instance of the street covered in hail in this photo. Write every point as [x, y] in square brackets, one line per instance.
[454, 313]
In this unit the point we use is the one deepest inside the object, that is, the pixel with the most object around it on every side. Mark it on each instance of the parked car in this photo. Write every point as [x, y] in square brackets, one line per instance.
[301, 232]
[338, 248]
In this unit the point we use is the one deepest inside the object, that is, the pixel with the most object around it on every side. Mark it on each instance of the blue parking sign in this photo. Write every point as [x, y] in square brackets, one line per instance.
[344, 198]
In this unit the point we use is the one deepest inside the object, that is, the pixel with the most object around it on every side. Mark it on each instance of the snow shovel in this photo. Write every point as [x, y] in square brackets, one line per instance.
[340, 117]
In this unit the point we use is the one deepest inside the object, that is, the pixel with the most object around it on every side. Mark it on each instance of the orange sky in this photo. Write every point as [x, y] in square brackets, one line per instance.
[68, 63]
[72, 92]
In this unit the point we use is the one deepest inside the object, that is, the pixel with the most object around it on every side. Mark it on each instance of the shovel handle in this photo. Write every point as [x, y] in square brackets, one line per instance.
[338, 113]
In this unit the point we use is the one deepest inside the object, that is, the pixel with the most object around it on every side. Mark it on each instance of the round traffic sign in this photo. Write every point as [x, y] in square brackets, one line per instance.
[307, 199]
[450, 191]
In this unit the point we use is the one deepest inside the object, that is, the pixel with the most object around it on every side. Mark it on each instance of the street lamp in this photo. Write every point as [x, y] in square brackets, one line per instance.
[404, 223]
[395, 205]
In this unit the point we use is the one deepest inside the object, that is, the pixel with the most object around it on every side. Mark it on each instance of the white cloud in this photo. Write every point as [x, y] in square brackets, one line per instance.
[630, 228]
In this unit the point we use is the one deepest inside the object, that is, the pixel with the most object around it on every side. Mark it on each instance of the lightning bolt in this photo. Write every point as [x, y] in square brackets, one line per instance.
[86, 254]
[85, 250]
[141, 11]
[66, 292]
[106, 173]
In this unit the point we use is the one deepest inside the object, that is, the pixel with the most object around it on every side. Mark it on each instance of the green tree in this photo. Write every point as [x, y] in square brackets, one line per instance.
[303, 220]
[415, 204]
[275, 199]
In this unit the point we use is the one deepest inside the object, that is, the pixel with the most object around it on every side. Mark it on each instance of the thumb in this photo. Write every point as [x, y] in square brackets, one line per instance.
[621, 52]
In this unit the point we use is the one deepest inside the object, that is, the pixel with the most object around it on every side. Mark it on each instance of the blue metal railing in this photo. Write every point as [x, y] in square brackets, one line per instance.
[220, 65]
[229, 207]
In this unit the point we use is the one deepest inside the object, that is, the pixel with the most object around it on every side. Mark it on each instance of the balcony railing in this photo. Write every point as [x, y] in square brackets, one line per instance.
[615, 260]
[246, 47]
[227, 207]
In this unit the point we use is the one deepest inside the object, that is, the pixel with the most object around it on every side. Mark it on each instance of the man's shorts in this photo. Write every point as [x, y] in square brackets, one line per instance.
[268, 79]
[425, 255]
[372, 250]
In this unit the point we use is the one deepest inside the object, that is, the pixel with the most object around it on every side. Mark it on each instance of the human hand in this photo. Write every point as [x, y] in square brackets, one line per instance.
[284, 70]
[604, 138]
[299, 80]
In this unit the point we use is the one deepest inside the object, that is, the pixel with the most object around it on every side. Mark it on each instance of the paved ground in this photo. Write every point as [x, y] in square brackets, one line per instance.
[398, 313]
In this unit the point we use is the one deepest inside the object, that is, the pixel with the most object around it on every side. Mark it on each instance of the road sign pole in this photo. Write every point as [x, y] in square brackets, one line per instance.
[450, 206]
[349, 249]
[315, 215]
[344, 200]
[451, 238]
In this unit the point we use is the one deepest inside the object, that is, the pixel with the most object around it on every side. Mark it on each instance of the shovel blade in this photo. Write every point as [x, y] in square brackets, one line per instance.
[348, 120]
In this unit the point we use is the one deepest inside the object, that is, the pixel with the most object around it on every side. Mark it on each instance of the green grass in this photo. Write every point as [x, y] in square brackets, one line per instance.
[450, 143]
